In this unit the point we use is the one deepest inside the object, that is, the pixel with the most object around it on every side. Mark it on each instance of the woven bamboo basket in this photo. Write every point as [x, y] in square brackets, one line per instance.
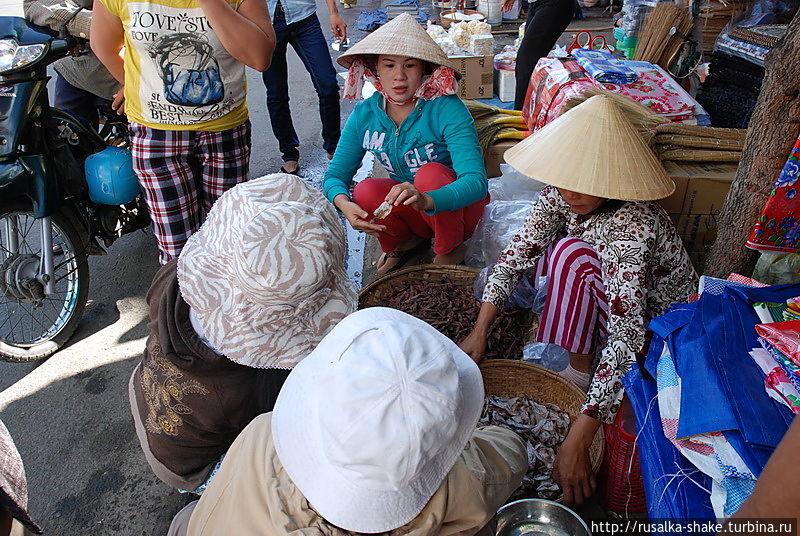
[446, 17]
[508, 377]
[462, 276]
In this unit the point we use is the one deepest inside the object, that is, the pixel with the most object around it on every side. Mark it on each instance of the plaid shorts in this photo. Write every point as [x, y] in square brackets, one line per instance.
[182, 173]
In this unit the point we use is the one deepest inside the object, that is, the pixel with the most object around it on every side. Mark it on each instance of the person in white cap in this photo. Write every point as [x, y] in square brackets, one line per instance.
[422, 133]
[373, 432]
[252, 293]
[612, 257]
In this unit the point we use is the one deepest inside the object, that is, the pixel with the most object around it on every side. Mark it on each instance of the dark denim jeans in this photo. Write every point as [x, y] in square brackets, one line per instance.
[80, 103]
[308, 41]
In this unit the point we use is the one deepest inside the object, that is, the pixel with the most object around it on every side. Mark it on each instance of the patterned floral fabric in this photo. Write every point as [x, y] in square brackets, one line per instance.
[784, 336]
[645, 269]
[439, 83]
[778, 227]
[656, 89]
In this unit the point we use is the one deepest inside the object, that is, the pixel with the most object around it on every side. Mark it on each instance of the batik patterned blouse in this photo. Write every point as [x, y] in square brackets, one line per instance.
[645, 269]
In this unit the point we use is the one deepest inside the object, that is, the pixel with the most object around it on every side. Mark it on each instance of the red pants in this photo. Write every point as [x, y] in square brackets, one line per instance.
[448, 229]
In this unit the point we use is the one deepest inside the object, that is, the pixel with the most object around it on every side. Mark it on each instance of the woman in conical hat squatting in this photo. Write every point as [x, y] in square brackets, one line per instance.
[423, 134]
[612, 257]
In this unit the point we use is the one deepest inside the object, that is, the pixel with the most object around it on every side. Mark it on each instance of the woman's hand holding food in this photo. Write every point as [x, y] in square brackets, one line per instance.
[357, 216]
[404, 193]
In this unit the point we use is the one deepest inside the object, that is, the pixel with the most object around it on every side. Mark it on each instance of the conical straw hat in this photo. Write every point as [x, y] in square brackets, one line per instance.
[593, 149]
[403, 36]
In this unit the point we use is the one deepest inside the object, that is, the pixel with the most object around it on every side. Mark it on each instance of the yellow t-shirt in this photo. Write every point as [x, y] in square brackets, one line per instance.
[178, 76]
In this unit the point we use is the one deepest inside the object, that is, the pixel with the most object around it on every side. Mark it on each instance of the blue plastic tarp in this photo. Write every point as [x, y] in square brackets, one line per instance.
[674, 488]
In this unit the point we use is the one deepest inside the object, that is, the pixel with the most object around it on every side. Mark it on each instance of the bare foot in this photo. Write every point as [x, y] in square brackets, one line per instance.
[454, 257]
[389, 261]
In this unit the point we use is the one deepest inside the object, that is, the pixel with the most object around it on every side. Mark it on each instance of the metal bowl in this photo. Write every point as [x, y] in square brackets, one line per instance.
[538, 517]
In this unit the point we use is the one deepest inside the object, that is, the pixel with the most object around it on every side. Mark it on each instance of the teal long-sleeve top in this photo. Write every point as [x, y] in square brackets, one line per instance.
[440, 130]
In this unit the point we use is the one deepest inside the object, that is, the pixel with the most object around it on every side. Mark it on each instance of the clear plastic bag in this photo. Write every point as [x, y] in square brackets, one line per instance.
[525, 295]
[512, 185]
[501, 219]
[550, 356]
[512, 197]
[777, 268]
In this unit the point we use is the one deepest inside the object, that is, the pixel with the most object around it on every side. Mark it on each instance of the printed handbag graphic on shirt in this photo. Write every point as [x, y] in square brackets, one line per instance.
[187, 76]
[190, 73]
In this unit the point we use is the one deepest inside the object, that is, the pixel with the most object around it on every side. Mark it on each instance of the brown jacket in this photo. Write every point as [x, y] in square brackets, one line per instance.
[188, 402]
[252, 494]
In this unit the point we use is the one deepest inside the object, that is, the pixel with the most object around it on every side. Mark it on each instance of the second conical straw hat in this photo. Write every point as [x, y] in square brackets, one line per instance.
[593, 149]
[403, 36]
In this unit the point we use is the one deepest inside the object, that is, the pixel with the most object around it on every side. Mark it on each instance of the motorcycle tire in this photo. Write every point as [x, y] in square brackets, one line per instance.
[50, 320]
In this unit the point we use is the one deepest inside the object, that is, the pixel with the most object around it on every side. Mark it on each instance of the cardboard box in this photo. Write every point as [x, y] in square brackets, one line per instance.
[476, 76]
[505, 84]
[699, 188]
[700, 191]
[495, 157]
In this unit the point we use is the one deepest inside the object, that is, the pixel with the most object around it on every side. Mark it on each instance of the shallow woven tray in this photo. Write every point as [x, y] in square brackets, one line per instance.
[462, 276]
[446, 20]
[509, 377]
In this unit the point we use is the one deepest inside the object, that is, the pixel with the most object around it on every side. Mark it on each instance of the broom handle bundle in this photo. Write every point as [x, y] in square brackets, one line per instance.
[655, 43]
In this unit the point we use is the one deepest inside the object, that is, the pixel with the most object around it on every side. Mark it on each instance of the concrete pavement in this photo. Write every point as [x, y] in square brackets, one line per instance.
[69, 415]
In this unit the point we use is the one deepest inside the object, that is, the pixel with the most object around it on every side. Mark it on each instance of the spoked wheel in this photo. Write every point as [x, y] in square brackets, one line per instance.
[34, 323]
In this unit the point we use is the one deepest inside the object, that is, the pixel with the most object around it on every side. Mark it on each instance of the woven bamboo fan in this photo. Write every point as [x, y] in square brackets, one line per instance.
[507, 377]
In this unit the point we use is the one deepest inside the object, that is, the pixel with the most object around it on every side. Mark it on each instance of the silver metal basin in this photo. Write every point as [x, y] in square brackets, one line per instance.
[538, 517]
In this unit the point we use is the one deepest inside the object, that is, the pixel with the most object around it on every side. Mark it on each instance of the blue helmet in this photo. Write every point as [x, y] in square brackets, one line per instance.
[110, 177]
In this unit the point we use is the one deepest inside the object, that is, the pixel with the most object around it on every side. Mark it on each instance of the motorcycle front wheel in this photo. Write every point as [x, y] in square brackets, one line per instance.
[33, 324]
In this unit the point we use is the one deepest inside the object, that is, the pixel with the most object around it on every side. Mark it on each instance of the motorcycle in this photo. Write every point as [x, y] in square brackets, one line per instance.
[64, 189]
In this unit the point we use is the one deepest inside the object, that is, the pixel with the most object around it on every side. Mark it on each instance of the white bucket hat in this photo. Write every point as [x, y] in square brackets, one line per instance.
[265, 273]
[371, 422]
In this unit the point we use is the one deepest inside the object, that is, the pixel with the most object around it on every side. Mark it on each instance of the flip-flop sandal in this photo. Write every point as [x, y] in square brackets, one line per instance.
[296, 172]
[404, 256]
